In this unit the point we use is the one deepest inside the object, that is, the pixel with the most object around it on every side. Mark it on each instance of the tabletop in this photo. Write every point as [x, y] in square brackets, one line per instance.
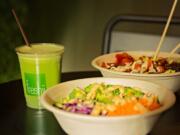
[17, 119]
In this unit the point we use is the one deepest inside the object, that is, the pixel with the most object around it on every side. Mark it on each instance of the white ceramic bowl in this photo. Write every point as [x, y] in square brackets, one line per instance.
[171, 81]
[79, 124]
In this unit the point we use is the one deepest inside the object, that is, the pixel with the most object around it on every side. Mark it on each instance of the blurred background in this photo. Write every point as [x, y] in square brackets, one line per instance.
[76, 24]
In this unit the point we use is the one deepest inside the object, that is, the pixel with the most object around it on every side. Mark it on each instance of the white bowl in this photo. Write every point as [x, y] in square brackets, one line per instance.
[171, 81]
[79, 124]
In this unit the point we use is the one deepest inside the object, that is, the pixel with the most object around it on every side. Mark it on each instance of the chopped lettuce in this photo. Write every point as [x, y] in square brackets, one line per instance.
[77, 93]
[88, 88]
[103, 98]
[129, 91]
[116, 92]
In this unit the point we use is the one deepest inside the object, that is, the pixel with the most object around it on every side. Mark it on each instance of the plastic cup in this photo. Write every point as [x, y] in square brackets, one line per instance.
[40, 67]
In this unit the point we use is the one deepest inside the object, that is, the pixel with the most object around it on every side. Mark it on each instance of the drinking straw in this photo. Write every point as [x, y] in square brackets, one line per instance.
[165, 30]
[174, 50]
[21, 29]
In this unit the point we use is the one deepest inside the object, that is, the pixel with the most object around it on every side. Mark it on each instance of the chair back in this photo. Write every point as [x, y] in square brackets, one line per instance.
[116, 40]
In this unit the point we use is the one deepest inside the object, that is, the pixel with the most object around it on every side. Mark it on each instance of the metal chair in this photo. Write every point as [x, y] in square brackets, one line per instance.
[107, 37]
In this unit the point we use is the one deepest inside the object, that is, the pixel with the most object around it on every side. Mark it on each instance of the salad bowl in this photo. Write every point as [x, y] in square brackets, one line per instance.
[169, 80]
[81, 124]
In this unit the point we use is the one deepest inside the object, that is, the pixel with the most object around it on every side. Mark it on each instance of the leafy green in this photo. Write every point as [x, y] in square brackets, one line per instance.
[116, 92]
[77, 93]
[88, 88]
[103, 98]
[132, 92]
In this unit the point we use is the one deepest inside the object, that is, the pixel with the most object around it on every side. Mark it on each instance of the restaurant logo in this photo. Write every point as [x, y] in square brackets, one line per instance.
[35, 84]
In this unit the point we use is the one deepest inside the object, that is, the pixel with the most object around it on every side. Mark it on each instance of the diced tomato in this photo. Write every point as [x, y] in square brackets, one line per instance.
[119, 58]
[126, 61]
[137, 66]
[123, 59]
[154, 106]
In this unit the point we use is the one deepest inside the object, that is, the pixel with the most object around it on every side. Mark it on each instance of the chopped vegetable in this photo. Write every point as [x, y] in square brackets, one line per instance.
[144, 64]
[98, 99]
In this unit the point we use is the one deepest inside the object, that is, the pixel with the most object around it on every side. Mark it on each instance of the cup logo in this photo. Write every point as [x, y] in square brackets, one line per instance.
[35, 84]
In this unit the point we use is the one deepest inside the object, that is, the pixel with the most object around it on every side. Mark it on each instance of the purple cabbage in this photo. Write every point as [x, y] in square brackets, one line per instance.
[73, 107]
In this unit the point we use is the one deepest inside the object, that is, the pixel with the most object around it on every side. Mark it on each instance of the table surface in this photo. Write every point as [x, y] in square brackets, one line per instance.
[17, 119]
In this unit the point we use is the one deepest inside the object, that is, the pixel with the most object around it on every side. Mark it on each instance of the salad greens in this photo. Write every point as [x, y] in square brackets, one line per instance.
[101, 99]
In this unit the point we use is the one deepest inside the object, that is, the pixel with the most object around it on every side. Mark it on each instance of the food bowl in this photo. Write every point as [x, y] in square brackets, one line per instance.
[171, 80]
[81, 124]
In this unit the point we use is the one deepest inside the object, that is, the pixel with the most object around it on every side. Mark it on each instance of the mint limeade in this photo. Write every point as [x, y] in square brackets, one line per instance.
[40, 68]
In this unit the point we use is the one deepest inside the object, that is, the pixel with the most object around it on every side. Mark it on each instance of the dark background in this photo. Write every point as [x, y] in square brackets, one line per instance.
[77, 24]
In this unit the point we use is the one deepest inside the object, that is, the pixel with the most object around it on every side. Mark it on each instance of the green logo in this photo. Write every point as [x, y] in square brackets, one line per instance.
[35, 84]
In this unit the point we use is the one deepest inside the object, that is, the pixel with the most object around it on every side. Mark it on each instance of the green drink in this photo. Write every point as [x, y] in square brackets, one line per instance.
[40, 69]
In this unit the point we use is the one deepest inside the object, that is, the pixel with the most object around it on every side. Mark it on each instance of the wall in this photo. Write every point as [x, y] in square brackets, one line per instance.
[79, 24]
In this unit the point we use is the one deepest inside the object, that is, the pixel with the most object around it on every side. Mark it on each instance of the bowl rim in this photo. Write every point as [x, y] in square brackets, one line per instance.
[55, 110]
[95, 65]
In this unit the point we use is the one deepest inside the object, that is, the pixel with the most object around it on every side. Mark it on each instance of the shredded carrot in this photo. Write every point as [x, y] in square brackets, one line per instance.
[129, 107]
[144, 102]
[125, 109]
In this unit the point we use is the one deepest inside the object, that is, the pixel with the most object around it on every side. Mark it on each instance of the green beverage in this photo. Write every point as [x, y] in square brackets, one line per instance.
[40, 69]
